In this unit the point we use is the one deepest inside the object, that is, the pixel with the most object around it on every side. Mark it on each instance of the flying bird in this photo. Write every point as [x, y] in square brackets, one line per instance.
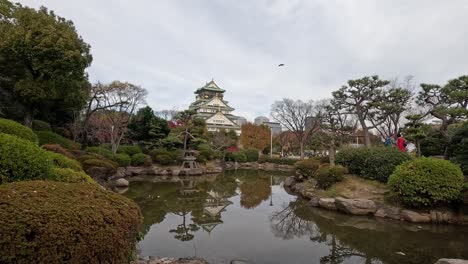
[282, 64]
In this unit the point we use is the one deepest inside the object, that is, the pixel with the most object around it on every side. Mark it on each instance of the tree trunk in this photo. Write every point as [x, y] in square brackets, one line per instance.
[28, 118]
[331, 154]
[365, 130]
[302, 149]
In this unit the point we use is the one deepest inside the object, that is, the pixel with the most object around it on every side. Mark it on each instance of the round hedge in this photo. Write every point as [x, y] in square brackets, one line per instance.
[129, 149]
[61, 161]
[21, 159]
[69, 175]
[376, 163]
[307, 167]
[13, 128]
[140, 159]
[426, 182]
[56, 222]
[122, 159]
[38, 125]
[327, 175]
[49, 137]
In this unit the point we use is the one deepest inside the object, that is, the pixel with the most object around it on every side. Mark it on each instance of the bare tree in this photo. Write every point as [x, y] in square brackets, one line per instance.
[167, 114]
[298, 117]
[121, 101]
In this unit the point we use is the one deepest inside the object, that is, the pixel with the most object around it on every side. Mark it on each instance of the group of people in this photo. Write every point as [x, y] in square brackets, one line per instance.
[400, 142]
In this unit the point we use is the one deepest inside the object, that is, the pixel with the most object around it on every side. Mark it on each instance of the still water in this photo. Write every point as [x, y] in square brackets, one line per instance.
[248, 215]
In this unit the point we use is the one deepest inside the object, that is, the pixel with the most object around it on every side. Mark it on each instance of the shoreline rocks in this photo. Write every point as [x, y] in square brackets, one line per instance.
[167, 260]
[359, 206]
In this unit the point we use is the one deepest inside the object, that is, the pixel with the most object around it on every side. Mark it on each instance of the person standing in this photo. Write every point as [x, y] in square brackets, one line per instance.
[401, 143]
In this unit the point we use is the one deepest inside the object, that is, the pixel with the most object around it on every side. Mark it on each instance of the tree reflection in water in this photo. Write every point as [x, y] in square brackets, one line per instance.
[288, 224]
[254, 192]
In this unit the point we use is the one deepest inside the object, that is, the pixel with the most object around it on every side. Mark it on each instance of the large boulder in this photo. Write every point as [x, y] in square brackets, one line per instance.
[386, 211]
[451, 261]
[355, 206]
[289, 181]
[313, 202]
[415, 217]
[327, 203]
[121, 183]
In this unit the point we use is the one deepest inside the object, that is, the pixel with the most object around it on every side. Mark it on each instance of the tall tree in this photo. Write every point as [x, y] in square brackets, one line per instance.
[416, 131]
[42, 60]
[146, 126]
[362, 97]
[336, 127]
[255, 136]
[449, 103]
[297, 117]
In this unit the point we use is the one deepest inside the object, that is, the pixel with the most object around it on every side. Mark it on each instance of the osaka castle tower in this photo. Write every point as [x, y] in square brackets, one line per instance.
[210, 105]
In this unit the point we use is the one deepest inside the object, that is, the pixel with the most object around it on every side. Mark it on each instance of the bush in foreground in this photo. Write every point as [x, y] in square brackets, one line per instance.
[49, 137]
[21, 159]
[376, 163]
[13, 128]
[56, 222]
[426, 182]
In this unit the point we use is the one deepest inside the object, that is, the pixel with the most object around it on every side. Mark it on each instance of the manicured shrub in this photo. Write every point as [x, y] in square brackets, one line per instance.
[326, 176]
[57, 222]
[38, 125]
[122, 159]
[57, 149]
[236, 156]
[21, 159]
[251, 155]
[140, 159]
[89, 155]
[282, 161]
[69, 175]
[99, 163]
[13, 128]
[165, 157]
[48, 137]
[376, 163]
[107, 153]
[205, 153]
[130, 149]
[307, 167]
[426, 182]
[61, 161]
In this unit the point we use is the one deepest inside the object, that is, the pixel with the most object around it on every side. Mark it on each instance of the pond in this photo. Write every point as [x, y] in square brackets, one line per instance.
[249, 216]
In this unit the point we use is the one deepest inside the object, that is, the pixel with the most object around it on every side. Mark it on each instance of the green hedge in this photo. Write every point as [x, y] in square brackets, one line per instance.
[326, 176]
[122, 159]
[236, 156]
[58, 149]
[61, 161]
[69, 175]
[376, 163]
[165, 157]
[56, 222]
[38, 125]
[130, 149]
[307, 167]
[251, 155]
[103, 151]
[426, 182]
[205, 153]
[21, 159]
[48, 137]
[282, 161]
[13, 128]
[141, 159]
[459, 147]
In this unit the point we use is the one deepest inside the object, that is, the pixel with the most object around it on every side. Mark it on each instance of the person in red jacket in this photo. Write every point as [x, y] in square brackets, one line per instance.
[401, 143]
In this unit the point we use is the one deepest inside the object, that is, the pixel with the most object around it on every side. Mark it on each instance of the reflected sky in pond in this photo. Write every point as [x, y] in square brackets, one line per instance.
[248, 215]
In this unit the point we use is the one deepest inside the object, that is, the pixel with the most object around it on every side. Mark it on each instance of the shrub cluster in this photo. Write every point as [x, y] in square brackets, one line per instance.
[251, 155]
[426, 182]
[61, 161]
[38, 125]
[376, 163]
[326, 175]
[56, 222]
[459, 147]
[130, 149]
[282, 161]
[48, 137]
[205, 153]
[103, 151]
[21, 159]
[57, 149]
[307, 167]
[97, 166]
[238, 156]
[165, 157]
[140, 159]
[122, 159]
[69, 175]
[13, 128]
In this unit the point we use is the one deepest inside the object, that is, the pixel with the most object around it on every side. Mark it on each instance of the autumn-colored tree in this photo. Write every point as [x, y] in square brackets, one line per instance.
[255, 136]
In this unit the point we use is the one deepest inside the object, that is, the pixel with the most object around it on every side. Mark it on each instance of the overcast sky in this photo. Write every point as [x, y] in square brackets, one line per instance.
[172, 47]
